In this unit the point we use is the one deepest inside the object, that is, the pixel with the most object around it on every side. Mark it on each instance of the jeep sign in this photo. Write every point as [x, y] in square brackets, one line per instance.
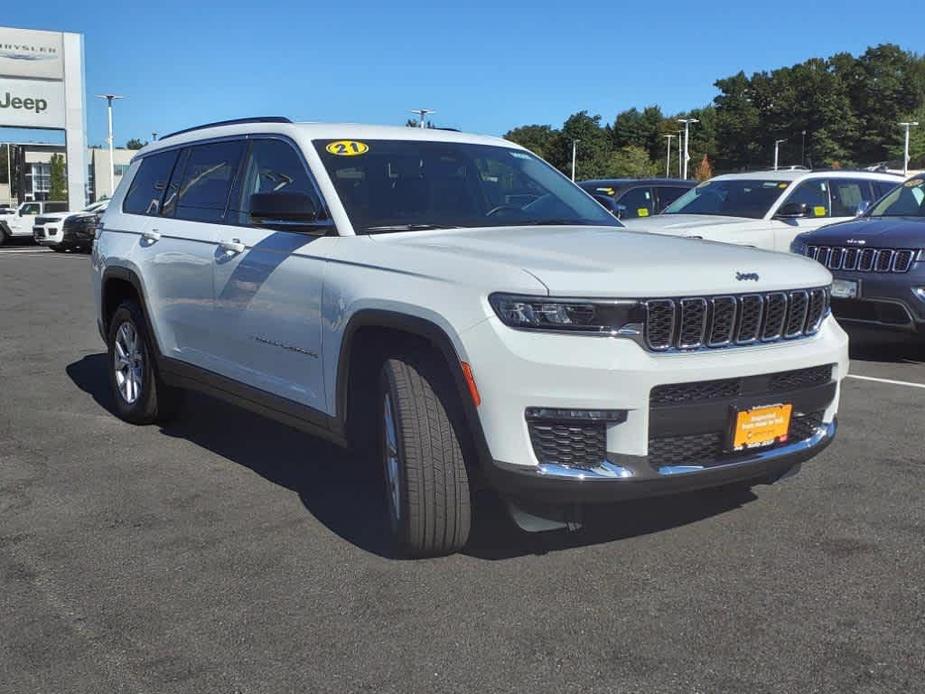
[31, 103]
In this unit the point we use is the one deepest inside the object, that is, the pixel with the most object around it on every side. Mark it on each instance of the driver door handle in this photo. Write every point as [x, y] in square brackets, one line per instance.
[151, 236]
[234, 246]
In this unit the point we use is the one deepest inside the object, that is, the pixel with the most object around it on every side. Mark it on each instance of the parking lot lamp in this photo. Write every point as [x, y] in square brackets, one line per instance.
[776, 149]
[907, 125]
[422, 114]
[574, 153]
[668, 156]
[680, 158]
[109, 99]
[687, 131]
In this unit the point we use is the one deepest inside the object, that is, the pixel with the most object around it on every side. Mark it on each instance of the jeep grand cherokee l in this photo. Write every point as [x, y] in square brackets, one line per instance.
[468, 310]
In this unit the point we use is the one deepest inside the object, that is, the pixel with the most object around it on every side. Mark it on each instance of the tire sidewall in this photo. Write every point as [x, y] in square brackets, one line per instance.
[398, 525]
[138, 411]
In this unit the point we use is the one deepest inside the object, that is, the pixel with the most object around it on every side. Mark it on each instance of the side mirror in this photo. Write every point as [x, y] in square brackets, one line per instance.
[863, 206]
[290, 211]
[793, 210]
[605, 200]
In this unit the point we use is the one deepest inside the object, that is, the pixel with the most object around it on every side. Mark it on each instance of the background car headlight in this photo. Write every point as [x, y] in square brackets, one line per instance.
[798, 246]
[597, 316]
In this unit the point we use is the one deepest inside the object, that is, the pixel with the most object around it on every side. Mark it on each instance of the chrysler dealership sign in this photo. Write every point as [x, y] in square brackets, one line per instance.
[42, 86]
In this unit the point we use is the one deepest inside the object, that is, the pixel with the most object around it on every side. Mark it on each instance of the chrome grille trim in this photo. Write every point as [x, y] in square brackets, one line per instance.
[863, 259]
[699, 323]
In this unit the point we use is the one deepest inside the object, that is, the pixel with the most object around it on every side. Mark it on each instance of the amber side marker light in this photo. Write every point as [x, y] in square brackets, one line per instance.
[470, 381]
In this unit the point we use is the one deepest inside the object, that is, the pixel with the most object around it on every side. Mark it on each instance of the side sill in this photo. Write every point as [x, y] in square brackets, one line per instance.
[302, 417]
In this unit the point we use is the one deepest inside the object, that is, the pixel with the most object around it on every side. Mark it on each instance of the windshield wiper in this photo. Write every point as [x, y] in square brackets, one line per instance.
[410, 227]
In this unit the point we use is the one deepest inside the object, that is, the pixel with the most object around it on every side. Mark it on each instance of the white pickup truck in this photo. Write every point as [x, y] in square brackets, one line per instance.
[20, 223]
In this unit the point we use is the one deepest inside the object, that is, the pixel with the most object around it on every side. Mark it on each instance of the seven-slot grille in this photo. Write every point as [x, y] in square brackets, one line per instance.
[721, 321]
[863, 259]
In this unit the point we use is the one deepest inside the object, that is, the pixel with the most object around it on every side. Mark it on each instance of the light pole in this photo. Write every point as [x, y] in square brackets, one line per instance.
[680, 158]
[422, 114]
[907, 125]
[9, 171]
[687, 133]
[109, 99]
[574, 156]
[776, 145]
[802, 148]
[668, 156]
[154, 136]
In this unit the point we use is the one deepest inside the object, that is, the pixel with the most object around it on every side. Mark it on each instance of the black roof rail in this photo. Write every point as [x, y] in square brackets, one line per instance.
[233, 121]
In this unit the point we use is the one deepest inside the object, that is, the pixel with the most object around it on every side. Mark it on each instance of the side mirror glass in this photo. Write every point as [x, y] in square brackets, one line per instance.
[793, 210]
[290, 211]
[863, 206]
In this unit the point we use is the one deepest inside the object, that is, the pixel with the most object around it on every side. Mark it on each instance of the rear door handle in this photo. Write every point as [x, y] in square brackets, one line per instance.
[233, 246]
[151, 236]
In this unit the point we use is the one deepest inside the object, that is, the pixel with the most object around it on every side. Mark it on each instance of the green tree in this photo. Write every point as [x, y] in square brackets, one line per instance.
[58, 184]
[539, 139]
[593, 149]
[135, 143]
[630, 161]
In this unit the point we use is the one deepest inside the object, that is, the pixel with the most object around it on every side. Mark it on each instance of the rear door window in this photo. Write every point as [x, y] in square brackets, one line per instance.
[881, 188]
[667, 195]
[147, 189]
[639, 202]
[847, 194]
[205, 184]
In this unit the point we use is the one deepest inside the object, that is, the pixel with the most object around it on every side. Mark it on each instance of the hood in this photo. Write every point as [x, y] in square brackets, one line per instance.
[885, 232]
[689, 224]
[608, 261]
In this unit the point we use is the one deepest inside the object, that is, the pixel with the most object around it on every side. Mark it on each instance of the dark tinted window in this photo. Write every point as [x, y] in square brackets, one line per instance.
[30, 208]
[907, 200]
[271, 166]
[639, 202]
[847, 194]
[147, 188]
[56, 207]
[206, 181]
[881, 188]
[815, 195]
[733, 197]
[668, 194]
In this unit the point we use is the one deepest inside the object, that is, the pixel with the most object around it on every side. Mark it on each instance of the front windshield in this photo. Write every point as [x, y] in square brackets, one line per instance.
[729, 198]
[907, 200]
[402, 185]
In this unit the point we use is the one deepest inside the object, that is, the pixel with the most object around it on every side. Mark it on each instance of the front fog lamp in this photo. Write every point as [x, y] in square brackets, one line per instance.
[573, 315]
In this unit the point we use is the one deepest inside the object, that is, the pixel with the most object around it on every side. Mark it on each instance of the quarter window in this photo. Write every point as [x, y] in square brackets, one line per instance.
[815, 195]
[847, 195]
[271, 166]
[668, 194]
[202, 195]
[147, 189]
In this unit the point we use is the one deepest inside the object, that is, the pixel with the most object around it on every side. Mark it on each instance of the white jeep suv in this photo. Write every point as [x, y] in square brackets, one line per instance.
[464, 308]
[767, 209]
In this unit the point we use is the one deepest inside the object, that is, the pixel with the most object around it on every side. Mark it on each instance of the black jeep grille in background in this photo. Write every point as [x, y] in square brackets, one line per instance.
[863, 259]
[710, 322]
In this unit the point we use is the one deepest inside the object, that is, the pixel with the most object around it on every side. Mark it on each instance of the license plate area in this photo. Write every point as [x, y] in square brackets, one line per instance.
[759, 427]
[845, 289]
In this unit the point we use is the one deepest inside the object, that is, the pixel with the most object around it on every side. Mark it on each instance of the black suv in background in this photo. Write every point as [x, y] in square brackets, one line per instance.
[629, 198]
[877, 260]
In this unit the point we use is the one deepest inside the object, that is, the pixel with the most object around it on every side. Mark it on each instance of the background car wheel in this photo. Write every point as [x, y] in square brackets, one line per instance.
[57, 248]
[140, 396]
[427, 486]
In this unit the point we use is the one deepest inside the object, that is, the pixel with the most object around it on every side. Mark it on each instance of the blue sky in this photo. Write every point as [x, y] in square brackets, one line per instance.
[484, 66]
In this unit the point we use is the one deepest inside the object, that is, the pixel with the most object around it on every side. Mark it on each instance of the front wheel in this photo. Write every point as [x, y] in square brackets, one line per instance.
[427, 486]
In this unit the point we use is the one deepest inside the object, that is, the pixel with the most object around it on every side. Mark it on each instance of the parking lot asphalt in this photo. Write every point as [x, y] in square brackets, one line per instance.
[228, 553]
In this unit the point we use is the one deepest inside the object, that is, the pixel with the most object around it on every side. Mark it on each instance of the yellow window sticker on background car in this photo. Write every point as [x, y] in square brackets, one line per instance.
[642, 212]
[819, 211]
[347, 148]
[782, 185]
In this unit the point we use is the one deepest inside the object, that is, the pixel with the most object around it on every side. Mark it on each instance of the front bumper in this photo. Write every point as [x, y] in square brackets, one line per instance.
[48, 234]
[887, 300]
[523, 370]
[623, 478]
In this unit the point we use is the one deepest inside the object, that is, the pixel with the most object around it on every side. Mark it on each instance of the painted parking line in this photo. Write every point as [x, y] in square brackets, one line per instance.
[908, 384]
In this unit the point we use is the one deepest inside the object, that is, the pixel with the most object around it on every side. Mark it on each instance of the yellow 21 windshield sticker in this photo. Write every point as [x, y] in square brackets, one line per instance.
[642, 212]
[819, 211]
[347, 148]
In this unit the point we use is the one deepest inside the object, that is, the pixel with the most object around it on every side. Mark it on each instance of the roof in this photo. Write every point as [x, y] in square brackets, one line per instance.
[327, 131]
[620, 182]
[799, 175]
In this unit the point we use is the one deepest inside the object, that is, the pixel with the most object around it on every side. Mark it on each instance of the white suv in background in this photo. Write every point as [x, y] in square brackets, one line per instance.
[767, 209]
[49, 229]
[465, 310]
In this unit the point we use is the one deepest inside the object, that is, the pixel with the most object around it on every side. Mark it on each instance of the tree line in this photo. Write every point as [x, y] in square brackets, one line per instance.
[842, 111]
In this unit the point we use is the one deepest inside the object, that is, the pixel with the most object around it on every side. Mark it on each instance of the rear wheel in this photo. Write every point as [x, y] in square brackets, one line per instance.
[140, 396]
[57, 248]
[427, 486]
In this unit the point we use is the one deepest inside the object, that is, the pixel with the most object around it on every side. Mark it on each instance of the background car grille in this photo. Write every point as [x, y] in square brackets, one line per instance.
[710, 449]
[576, 445]
[863, 259]
[39, 221]
[720, 321]
[669, 394]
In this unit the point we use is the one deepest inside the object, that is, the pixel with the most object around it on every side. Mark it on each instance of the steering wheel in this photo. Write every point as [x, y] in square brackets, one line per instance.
[500, 208]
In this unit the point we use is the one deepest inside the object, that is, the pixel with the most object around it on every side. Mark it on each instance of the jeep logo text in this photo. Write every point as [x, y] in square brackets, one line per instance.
[744, 276]
[9, 101]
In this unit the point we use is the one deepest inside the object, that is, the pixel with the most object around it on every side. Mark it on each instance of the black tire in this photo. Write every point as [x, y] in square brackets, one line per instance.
[432, 485]
[3, 237]
[57, 248]
[154, 401]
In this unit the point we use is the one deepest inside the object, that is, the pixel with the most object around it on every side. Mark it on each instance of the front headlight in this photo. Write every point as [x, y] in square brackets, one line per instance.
[594, 316]
[798, 246]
